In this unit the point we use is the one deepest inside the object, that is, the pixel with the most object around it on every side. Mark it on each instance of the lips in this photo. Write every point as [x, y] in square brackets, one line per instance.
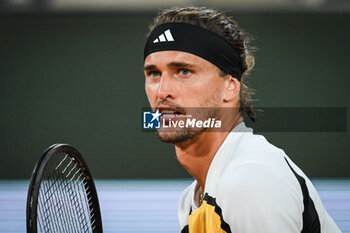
[169, 113]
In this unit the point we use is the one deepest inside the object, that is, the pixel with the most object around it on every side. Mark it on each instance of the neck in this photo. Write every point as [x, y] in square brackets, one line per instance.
[196, 155]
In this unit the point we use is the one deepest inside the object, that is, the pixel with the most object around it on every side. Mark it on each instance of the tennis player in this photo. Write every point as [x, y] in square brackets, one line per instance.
[197, 57]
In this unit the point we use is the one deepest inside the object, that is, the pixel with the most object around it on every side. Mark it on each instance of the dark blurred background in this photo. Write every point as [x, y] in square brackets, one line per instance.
[71, 71]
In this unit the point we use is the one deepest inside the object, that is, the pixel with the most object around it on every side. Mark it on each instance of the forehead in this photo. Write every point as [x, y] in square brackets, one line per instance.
[167, 57]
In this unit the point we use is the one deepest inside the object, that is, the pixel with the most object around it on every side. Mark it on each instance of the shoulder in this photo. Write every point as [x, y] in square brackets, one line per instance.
[257, 185]
[260, 180]
[253, 192]
[255, 144]
[258, 170]
[255, 157]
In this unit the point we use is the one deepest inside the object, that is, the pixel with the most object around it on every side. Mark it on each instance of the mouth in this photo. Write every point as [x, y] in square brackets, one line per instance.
[169, 113]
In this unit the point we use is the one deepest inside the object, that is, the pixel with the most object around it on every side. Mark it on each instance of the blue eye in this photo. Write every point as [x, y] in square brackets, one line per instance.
[154, 73]
[185, 71]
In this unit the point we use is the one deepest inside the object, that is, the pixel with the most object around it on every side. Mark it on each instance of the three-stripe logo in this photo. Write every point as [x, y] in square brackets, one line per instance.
[165, 36]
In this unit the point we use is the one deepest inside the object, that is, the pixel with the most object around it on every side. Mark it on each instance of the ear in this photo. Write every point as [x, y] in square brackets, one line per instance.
[232, 88]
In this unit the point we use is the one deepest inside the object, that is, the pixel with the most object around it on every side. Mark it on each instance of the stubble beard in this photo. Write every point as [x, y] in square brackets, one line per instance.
[186, 134]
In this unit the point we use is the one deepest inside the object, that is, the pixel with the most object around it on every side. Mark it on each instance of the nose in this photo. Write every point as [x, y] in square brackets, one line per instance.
[167, 87]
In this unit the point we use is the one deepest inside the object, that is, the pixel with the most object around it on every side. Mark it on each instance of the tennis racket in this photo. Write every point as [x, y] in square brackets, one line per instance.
[62, 197]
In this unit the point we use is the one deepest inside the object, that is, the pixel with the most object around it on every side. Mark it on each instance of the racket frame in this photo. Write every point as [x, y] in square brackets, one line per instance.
[37, 175]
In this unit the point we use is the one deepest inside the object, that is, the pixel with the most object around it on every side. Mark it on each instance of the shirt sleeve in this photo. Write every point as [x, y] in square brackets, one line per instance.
[253, 198]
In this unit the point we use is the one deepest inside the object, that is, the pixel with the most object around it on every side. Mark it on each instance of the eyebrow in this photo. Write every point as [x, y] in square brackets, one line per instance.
[149, 67]
[170, 65]
[180, 65]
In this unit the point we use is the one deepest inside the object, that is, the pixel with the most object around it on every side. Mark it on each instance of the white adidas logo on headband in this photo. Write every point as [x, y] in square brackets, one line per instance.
[165, 36]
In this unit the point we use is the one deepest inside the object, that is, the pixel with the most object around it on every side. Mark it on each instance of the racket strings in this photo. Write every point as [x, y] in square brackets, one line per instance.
[56, 209]
[64, 203]
[70, 199]
[50, 210]
[74, 200]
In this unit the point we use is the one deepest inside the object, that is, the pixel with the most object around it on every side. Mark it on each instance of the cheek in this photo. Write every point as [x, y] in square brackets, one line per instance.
[151, 92]
[210, 90]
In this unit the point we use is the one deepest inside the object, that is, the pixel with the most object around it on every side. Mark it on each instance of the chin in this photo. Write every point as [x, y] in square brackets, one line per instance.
[178, 136]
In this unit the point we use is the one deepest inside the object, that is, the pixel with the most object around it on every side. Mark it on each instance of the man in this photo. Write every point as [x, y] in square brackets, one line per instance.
[195, 63]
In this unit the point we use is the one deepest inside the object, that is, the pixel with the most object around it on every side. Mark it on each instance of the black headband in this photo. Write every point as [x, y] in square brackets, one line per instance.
[198, 41]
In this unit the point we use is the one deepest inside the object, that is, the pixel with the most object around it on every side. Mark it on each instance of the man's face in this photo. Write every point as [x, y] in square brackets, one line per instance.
[179, 82]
